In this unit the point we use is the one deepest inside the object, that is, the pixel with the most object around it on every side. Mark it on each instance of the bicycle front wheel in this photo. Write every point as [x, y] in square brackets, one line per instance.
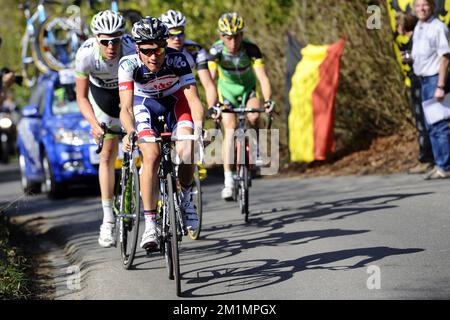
[171, 193]
[243, 190]
[130, 218]
[165, 230]
[197, 199]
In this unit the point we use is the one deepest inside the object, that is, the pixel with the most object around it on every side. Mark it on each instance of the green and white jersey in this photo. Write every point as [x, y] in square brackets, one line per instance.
[102, 73]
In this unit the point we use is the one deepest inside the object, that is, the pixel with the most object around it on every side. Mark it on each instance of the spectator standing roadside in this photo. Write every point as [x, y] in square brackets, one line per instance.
[431, 57]
[406, 23]
[6, 81]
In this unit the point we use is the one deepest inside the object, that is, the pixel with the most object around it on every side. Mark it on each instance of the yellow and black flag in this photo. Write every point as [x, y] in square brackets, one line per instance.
[312, 87]
[442, 9]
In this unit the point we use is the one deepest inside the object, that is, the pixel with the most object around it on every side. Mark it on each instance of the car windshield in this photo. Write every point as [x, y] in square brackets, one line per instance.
[64, 100]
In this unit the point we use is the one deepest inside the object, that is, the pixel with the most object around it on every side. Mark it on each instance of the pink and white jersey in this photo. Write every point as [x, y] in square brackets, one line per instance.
[174, 74]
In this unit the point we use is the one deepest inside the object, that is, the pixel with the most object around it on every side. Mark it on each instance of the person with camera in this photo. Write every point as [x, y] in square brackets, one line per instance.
[8, 78]
[8, 116]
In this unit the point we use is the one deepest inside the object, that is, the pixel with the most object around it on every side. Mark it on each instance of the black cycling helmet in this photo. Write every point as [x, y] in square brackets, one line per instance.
[149, 29]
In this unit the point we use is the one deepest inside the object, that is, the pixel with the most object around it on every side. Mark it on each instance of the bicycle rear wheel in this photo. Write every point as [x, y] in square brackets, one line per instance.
[129, 222]
[56, 43]
[197, 199]
[173, 233]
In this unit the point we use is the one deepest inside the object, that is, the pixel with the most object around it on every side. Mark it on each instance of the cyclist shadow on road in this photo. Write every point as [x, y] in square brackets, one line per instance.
[266, 229]
[277, 217]
[343, 208]
[231, 278]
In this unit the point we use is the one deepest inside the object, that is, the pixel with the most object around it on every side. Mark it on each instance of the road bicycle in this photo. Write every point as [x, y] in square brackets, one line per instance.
[126, 201]
[244, 159]
[169, 222]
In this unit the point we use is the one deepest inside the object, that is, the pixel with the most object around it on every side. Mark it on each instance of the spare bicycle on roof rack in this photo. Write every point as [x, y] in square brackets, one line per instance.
[50, 41]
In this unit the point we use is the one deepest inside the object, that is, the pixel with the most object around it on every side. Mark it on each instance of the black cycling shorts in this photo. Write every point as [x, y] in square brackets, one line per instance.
[108, 100]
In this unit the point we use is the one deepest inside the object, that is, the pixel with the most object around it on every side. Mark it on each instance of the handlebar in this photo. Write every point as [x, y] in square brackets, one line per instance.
[186, 137]
[168, 137]
[106, 131]
[228, 109]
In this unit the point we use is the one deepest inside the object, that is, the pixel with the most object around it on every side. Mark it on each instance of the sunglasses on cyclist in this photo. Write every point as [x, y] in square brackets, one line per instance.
[107, 41]
[148, 51]
[176, 33]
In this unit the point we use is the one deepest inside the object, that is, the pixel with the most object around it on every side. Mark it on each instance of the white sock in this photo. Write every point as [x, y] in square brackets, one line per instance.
[150, 219]
[228, 178]
[108, 215]
[186, 193]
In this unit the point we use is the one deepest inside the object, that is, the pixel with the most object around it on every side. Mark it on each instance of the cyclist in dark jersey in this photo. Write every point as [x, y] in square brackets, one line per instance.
[238, 64]
[158, 81]
[97, 92]
[196, 55]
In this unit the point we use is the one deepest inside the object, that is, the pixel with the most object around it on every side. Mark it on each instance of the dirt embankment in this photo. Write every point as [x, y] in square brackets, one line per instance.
[393, 154]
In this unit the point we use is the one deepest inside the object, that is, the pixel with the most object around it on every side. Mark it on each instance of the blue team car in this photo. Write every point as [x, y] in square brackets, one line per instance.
[55, 147]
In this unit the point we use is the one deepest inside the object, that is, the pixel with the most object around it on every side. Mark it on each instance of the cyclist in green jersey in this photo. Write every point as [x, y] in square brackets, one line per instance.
[238, 64]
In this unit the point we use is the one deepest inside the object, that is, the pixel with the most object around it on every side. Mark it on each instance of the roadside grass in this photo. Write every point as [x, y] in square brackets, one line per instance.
[15, 268]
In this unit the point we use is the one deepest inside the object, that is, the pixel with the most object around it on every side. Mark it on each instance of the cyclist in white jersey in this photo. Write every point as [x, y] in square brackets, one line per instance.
[196, 55]
[97, 92]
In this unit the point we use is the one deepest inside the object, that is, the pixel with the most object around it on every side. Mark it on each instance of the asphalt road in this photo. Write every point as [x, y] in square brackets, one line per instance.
[370, 237]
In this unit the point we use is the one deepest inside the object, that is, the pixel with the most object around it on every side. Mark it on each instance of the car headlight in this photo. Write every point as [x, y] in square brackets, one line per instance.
[5, 123]
[72, 137]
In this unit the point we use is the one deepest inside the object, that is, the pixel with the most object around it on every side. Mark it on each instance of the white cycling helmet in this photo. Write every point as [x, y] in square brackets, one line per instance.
[107, 22]
[173, 19]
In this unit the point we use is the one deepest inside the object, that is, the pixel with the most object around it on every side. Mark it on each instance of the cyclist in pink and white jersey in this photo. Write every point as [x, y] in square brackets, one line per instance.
[158, 81]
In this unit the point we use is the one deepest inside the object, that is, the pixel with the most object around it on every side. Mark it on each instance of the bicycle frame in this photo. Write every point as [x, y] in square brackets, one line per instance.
[27, 54]
[115, 6]
[39, 16]
[168, 168]
[128, 165]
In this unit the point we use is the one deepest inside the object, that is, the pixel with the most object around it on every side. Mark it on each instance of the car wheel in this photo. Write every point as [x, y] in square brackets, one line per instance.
[53, 189]
[28, 186]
